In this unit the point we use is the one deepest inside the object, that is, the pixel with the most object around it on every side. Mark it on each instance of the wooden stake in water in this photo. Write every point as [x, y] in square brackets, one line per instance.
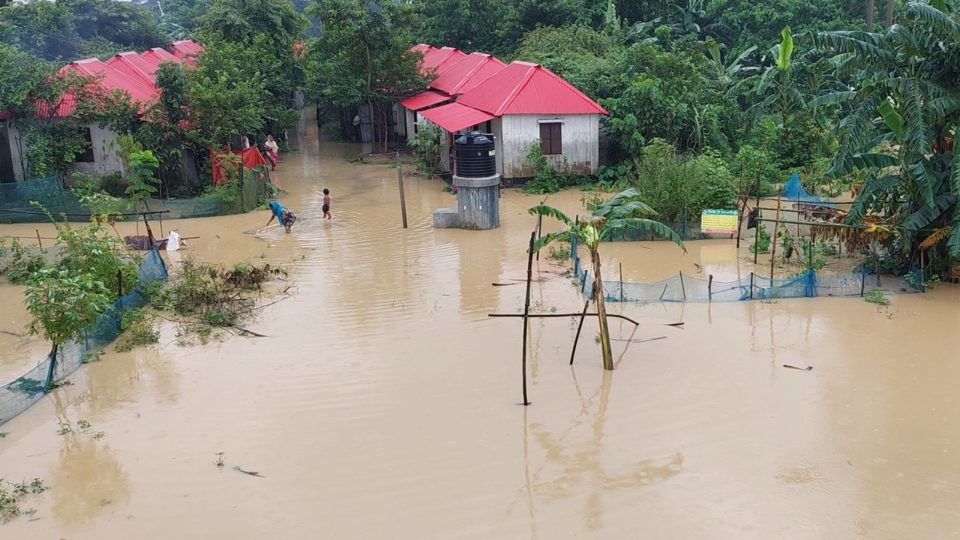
[39, 243]
[773, 244]
[621, 281]
[576, 339]
[526, 312]
[403, 200]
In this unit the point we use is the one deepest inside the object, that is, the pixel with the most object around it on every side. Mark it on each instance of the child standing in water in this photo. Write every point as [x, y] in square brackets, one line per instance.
[326, 203]
[282, 214]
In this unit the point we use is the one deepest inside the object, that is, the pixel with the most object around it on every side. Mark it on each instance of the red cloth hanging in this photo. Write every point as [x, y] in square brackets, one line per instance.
[250, 157]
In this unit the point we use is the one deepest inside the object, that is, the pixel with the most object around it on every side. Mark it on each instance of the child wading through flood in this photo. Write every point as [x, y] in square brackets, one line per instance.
[282, 214]
[326, 204]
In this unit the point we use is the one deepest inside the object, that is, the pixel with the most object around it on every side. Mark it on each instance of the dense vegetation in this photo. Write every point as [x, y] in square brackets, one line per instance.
[709, 100]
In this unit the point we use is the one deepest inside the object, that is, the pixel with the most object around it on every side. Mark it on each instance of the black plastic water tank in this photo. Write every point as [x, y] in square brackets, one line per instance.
[476, 157]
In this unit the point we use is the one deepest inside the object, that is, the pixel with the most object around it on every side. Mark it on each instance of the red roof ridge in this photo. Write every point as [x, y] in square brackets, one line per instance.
[516, 89]
[576, 90]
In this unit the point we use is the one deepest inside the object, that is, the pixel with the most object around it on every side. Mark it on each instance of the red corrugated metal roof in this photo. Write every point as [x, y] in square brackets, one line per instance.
[461, 76]
[525, 88]
[128, 72]
[186, 47]
[422, 48]
[157, 55]
[438, 58]
[112, 79]
[423, 100]
[133, 65]
[453, 117]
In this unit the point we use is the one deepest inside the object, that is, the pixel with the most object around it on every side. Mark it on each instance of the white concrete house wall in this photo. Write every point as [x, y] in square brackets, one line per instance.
[106, 159]
[579, 140]
[12, 137]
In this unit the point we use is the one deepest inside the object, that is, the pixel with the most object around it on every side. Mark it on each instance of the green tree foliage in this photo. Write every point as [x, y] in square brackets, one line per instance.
[224, 97]
[470, 25]
[907, 94]
[61, 304]
[682, 186]
[265, 33]
[20, 76]
[749, 23]
[625, 211]
[71, 29]
[363, 57]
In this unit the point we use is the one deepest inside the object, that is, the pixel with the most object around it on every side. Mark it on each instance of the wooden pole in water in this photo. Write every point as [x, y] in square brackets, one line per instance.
[403, 200]
[526, 312]
[539, 231]
[621, 281]
[576, 339]
[39, 243]
[683, 289]
[710, 288]
[773, 244]
[756, 236]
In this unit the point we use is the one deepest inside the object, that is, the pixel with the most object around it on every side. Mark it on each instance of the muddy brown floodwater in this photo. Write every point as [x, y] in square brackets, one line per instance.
[384, 404]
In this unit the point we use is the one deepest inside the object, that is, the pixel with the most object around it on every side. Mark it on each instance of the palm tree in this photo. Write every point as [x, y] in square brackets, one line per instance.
[901, 121]
[624, 211]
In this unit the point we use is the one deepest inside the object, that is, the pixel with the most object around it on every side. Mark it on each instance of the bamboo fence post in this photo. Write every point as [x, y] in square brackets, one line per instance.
[539, 231]
[773, 243]
[621, 281]
[576, 339]
[403, 201]
[119, 296]
[526, 312]
[756, 236]
[756, 232]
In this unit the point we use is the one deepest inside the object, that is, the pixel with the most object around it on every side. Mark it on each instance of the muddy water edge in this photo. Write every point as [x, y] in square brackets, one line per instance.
[384, 404]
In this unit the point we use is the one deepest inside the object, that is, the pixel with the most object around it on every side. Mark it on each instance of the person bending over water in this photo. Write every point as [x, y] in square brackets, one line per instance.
[326, 204]
[282, 214]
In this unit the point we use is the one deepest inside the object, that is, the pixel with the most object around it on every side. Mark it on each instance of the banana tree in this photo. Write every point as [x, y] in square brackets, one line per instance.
[901, 122]
[624, 211]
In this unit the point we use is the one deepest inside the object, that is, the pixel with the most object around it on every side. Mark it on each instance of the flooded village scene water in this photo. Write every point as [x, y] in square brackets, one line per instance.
[343, 283]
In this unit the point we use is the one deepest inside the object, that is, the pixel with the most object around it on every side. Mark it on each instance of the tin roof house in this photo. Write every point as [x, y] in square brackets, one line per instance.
[130, 72]
[521, 103]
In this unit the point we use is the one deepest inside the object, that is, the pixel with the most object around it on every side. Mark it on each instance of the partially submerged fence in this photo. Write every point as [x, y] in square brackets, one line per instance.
[686, 288]
[16, 200]
[18, 395]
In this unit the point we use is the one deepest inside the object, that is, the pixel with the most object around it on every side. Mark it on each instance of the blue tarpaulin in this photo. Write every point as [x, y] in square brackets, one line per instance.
[793, 191]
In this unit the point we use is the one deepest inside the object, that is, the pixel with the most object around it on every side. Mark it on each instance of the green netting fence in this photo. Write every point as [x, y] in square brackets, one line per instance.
[685, 288]
[50, 192]
[20, 394]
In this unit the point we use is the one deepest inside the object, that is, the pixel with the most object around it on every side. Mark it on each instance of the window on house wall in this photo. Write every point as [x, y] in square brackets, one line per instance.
[551, 140]
[87, 155]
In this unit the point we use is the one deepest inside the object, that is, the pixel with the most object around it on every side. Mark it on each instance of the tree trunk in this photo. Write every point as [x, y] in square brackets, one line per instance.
[869, 15]
[601, 312]
[888, 18]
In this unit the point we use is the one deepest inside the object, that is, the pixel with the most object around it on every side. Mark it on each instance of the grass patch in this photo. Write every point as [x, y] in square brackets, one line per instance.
[206, 297]
[877, 297]
[140, 329]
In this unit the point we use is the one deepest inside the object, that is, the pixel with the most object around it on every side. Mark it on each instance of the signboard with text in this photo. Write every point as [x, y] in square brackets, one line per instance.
[719, 222]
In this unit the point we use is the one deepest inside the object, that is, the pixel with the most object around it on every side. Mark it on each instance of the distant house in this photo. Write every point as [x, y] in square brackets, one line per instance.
[522, 104]
[130, 72]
